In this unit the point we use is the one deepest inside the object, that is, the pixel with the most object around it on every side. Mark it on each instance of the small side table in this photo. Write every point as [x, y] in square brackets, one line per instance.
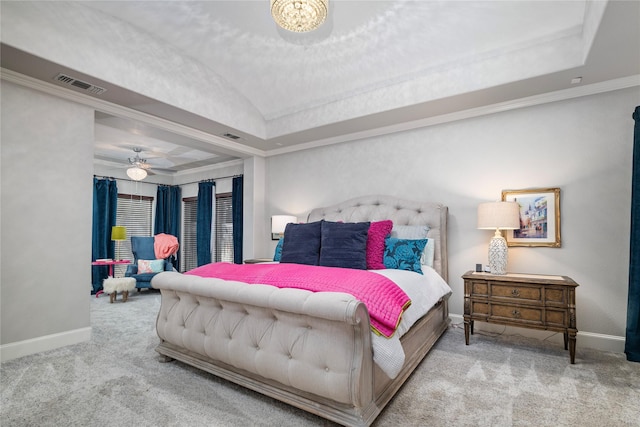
[257, 260]
[525, 300]
[110, 264]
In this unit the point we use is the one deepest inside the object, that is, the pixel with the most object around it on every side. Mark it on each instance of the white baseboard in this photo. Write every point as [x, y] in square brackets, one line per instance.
[593, 340]
[48, 342]
[585, 339]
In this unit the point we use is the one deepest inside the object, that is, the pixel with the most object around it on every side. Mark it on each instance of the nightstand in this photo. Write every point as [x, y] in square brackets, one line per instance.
[257, 260]
[525, 300]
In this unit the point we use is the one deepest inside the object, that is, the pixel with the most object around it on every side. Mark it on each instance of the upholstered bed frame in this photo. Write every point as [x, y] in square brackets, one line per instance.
[274, 340]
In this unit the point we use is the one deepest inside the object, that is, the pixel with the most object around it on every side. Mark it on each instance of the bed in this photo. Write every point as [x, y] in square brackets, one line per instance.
[312, 350]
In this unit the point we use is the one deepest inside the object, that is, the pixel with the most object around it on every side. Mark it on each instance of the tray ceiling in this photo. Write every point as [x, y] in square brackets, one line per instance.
[224, 67]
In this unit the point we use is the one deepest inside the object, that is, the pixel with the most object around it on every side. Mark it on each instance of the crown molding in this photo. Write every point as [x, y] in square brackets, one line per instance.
[118, 110]
[209, 168]
[245, 151]
[546, 98]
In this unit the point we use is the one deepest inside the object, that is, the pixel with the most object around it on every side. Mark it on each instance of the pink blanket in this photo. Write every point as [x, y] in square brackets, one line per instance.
[384, 300]
[165, 245]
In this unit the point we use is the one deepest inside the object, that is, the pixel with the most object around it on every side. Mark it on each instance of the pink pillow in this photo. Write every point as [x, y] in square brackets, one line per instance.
[378, 231]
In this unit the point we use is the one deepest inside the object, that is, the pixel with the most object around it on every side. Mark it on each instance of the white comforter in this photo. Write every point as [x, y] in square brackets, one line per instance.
[425, 290]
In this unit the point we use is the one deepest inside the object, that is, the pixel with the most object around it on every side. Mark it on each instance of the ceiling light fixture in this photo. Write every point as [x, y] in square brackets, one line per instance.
[299, 16]
[136, 173]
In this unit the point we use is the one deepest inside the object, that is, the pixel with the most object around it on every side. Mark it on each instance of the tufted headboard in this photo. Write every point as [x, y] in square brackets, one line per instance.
[401, 212]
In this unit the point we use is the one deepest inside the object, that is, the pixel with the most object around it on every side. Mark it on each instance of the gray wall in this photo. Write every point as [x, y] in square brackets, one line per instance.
[45, 258]
[583, 146]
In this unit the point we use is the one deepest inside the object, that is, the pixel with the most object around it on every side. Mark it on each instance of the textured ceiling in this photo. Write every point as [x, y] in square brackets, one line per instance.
[224, 67]
[116, 138]
[365, 48]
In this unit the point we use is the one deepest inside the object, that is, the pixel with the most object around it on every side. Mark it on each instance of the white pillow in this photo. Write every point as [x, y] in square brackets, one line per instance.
[429, 253]
[415, 232]
[411, 232]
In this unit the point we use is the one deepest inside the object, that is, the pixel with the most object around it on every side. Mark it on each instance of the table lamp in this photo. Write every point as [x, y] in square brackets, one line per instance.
[278, 224]
[118, 234]
[498, 216]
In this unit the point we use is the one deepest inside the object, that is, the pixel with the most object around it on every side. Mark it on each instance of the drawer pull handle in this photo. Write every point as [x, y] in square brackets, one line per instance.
[515, 313]
[515, 292]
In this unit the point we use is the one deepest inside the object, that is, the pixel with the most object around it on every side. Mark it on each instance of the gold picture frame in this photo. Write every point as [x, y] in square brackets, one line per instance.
[539, 217]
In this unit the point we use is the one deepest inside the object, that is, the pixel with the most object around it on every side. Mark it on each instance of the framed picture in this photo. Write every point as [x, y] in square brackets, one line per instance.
[539, 217]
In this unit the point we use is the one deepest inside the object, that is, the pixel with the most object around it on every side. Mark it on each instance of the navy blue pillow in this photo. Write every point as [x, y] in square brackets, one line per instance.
[403, 254]
[344, 244]
[301, 243]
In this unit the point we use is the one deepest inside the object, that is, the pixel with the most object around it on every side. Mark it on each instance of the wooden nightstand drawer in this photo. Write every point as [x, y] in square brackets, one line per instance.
[516, 292]
[556, 296]
[479, 289]
[557, 318]
[517, 314]
[479, 308]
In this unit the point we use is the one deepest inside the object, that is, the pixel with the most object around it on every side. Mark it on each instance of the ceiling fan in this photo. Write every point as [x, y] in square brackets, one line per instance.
[139, 167]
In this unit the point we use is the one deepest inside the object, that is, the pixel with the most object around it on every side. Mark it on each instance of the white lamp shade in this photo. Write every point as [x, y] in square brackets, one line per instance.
[279, 223]
[136, 174]
[499, 215]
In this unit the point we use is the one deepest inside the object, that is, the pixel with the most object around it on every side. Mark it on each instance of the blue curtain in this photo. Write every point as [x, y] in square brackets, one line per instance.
[632, 343]
[204, 216]
[105, 199]
[236, 209]
[168, 203]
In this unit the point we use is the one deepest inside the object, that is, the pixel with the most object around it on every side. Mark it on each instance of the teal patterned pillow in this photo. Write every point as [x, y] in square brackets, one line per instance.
[403, 254]
[278, 253]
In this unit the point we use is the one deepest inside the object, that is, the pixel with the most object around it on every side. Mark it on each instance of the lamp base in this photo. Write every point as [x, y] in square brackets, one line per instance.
[498, 254]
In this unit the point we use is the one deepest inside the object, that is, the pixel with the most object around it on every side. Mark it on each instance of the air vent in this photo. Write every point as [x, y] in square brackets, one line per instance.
[231, 136]
[87, 87]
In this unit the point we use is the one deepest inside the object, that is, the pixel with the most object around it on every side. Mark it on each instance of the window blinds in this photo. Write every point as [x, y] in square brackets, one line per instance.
[189, 256]
[222, 235]
[224, 228]
[135, 213]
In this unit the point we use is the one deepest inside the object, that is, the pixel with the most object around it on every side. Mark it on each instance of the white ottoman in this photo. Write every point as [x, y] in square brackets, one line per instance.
[113, 285]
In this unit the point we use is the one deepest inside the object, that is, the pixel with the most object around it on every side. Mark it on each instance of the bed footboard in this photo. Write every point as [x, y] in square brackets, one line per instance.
[273, 341]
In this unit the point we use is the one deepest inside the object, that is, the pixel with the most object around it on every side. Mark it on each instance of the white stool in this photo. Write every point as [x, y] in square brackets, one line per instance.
[112, 286]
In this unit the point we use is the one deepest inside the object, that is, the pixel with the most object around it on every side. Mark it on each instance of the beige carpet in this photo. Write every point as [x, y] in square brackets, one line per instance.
[116, 380]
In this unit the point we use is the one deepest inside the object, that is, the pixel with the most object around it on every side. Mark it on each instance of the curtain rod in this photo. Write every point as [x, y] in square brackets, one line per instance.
[212, 179]
[153, 183]
[124, 179]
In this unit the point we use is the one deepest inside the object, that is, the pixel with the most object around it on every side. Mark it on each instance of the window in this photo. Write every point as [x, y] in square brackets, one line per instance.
[222, 233]
[135, 213]
[224, 228]
[189, 254]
